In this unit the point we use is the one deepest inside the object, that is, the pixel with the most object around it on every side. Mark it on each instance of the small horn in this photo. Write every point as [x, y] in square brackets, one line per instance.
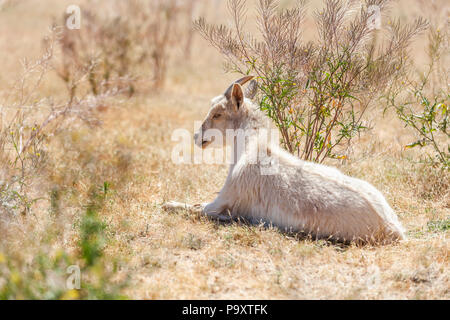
[251, 89]
[244, 80]
[241, 81]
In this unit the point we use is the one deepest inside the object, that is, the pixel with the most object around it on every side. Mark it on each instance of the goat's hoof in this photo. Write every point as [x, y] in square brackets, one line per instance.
[197, 208]
[220, 217]
[173, 205]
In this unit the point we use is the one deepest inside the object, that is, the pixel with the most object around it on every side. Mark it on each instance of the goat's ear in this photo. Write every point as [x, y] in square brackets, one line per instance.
[241, 82]
[250, 91]
[235, 95]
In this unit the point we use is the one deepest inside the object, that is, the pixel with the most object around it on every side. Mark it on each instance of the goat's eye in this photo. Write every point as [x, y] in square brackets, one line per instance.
[217, 116]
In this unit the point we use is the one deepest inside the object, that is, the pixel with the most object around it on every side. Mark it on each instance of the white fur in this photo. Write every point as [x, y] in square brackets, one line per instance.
[300, 195]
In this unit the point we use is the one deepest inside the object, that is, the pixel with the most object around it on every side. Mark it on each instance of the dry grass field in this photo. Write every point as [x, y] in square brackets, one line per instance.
[163, 255]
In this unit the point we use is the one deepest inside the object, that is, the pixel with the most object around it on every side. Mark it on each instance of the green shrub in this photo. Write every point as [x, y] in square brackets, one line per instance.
[422, 101]
[318, 92]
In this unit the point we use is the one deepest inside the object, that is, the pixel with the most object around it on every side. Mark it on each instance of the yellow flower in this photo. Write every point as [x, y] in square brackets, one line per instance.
[291, 111]
[70, 295]
[2, 258]
[59, 254]
[15, 277]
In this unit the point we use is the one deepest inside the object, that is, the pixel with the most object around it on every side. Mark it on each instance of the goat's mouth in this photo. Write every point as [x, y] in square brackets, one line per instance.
[206, 143]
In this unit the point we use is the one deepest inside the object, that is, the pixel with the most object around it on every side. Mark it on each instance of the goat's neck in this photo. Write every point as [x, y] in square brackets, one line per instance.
[244, 146]
[250, 121]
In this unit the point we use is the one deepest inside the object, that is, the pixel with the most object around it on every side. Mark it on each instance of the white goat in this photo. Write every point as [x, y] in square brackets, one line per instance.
[300, 196]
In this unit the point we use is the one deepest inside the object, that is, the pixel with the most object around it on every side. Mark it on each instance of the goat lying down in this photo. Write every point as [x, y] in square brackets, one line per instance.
[299, 196]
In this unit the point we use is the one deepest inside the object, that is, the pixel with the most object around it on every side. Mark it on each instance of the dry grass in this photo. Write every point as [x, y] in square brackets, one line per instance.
[180, 256]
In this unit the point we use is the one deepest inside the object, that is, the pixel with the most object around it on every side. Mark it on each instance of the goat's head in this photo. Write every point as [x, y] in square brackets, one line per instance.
[225, 111]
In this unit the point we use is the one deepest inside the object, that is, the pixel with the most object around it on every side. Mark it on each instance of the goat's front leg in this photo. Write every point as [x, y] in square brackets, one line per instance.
[216, 209]
[173, 205]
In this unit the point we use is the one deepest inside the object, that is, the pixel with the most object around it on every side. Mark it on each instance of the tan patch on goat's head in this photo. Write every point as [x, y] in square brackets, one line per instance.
[222, 116]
